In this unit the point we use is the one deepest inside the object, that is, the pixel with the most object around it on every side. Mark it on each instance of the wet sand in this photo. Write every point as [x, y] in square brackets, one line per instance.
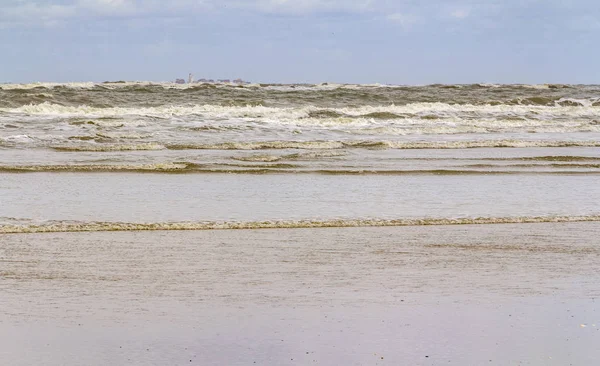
[467, 295]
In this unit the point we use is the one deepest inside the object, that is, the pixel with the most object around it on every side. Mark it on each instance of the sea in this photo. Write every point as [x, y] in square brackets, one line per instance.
[141, 155]
[220, 224]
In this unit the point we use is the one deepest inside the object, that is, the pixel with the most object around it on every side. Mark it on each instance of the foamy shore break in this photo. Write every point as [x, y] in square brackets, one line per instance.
[283, 224]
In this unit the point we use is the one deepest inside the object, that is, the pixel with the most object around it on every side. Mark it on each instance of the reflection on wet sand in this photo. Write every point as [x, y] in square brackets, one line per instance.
[459, 294]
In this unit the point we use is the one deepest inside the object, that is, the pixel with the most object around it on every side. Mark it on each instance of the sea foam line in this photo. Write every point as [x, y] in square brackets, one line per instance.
[282, 168]
[315, 145]
[70, 226]
[301, 112]
[379, 144]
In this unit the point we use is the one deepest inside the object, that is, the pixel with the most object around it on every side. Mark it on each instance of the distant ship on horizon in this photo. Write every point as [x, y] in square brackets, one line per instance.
[213, 81]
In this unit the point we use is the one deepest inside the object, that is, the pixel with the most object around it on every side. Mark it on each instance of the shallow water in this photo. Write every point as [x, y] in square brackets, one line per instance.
[163, 153]
[104, 197]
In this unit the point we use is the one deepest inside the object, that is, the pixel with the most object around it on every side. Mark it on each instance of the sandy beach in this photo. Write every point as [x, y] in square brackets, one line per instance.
[466, 295]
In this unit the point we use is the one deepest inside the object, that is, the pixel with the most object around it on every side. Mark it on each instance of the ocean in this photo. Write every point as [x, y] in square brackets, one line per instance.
[263, 155]
[402, 224]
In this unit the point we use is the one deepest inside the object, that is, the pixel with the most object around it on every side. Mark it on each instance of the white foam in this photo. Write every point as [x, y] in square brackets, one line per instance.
[74, 85]
[535, 86]
[381, 144]
[583, 102]
[17, 139]
[440, 110]
[70, 226]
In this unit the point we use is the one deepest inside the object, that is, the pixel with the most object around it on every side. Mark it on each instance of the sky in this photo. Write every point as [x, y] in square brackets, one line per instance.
[352, 41]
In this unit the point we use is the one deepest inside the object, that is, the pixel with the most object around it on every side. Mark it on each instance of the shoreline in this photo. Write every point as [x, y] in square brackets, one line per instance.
[68, 227]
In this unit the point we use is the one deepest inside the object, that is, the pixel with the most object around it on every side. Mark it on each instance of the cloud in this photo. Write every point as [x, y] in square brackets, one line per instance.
[18, 13]
[108, 7]
[45, 12]
[460, 13]
[36, 13]
[405, 20]
[585, 23]
[308, 6]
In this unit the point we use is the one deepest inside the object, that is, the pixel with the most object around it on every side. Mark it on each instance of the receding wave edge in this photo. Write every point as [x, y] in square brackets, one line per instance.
[70, 226]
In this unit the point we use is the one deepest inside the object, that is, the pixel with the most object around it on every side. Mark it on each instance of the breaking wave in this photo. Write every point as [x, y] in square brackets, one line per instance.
[268, 145]
[558, 158]
[70, 226]
[164, 167]
[322, 145]
[306, 156]
[109, 147]
[274, 167]
[436, 109]
[96, 144]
